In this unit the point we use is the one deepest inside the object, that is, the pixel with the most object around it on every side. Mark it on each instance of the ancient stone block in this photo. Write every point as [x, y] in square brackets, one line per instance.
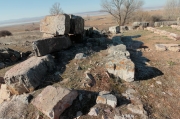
[26, 76]
[77, 24]
[50, 45]
[55, 25]
[52, 101]
[114, 29]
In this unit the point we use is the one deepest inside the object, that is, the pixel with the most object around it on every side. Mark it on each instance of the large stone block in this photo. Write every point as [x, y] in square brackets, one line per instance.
[77, 25]
[52, 101]
[26, 76]
[50, 45]
[55, 25]
[114, 29]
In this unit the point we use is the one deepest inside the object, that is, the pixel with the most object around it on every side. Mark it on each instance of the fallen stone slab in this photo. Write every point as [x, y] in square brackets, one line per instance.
[50, 45]
[16, 108]
[55, 25]
[77, 24]
[114, 29]
[26, 76]
[170, 47]
[53, 101]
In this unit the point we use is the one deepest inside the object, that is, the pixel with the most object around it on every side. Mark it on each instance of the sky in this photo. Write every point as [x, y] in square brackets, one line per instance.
[16, 9]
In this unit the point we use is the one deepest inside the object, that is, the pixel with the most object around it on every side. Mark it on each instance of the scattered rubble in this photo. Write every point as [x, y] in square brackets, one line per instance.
[94, 111]
[52, 101]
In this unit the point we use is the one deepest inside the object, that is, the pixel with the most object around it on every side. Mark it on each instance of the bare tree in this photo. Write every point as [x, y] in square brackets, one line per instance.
[56, 9]
[172, 9]
[121, 10]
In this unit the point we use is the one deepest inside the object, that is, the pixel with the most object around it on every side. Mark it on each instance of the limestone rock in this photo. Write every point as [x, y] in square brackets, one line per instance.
[79, 56]
[114, 29]
[119, 64]
[52, 101]
[108, 99]
[4, 93]
[50, 45]
[77, 24]
[26, 76]
[55, 25]
[14, 108]
[93, 112]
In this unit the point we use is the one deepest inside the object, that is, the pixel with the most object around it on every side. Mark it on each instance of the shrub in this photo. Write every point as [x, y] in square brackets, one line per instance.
[5, 33]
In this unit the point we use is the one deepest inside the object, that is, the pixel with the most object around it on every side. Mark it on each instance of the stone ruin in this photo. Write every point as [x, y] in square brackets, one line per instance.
[164, 33]
[59, 32]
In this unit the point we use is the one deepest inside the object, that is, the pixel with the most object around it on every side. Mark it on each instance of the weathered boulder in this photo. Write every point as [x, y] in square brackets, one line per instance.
[9, 54]
[55, 25]
[16, 108]
[77, 24]
[50, 45]
[52, 101]
[119, 64]
[4, 93]
[176, 36]
[114, 29]
[26, 76]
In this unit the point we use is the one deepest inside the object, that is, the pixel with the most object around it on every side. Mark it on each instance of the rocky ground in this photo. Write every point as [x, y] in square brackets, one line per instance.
[154, 94]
